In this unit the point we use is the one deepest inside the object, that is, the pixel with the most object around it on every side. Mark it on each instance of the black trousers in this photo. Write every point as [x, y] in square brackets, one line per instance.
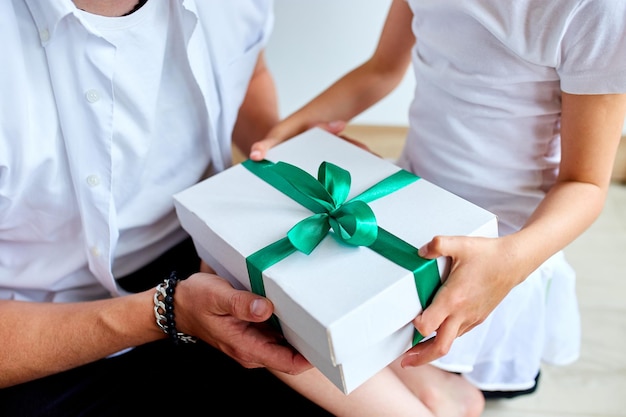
[158, 378]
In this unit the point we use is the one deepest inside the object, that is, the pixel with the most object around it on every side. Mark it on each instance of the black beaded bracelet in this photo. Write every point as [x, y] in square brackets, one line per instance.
[164, 310]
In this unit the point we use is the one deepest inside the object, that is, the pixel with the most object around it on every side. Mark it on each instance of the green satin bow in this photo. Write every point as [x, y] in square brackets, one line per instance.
[353, 222]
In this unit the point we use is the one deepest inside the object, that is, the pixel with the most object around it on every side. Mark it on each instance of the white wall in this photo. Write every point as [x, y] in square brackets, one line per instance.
[314, 42]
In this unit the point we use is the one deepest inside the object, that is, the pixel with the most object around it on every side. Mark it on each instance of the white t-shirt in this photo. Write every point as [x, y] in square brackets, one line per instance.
[102, 121]
[485, 124]
[485, 121]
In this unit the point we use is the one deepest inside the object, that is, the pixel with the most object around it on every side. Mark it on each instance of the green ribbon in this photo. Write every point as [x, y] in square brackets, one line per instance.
[352, 222]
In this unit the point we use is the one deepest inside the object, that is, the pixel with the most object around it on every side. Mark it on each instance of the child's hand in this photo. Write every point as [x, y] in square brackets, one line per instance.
[359, 144]
[282, 131]
[482, 273]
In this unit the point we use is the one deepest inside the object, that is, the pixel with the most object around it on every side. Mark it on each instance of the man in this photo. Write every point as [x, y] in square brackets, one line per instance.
[108, 108]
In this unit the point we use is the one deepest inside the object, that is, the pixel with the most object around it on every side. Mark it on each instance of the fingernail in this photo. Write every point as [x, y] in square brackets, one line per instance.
[258, 307]
[406, 361]
[421, 251]
[255, 155]
[335, 123]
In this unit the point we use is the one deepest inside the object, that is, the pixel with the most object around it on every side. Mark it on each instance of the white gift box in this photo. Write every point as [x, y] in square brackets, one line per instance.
[346, 308]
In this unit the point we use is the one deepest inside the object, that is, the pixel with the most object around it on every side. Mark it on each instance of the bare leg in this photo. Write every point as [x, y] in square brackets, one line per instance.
[381, 396]
[445, 393]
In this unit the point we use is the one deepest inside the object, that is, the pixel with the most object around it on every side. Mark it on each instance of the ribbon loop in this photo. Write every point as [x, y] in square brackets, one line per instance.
[355, 223]
[336, 181]
[308, 233]
[306, 186]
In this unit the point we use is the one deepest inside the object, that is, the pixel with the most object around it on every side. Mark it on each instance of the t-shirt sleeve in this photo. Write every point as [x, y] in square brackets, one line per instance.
[593, 49]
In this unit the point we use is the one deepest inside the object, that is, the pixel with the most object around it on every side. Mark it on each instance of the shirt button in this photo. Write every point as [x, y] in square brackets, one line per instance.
[95, 251]
[92, 96]
[44, 35]
[93, 180]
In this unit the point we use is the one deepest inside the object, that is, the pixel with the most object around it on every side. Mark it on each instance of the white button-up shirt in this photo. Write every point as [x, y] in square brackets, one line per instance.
[101, 121]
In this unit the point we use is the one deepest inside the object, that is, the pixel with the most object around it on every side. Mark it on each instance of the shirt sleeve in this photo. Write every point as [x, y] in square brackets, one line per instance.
[593, 49]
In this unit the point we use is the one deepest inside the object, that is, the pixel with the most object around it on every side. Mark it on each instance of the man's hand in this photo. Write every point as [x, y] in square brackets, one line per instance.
[234, 321]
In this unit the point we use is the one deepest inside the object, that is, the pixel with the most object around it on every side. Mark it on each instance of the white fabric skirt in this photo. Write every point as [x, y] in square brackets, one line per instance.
[538, 321]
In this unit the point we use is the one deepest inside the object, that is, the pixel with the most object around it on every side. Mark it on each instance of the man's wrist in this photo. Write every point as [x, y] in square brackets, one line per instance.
[164, 310]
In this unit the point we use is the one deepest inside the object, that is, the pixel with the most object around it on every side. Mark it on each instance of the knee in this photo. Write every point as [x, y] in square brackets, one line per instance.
[474, 405]
[458, 400]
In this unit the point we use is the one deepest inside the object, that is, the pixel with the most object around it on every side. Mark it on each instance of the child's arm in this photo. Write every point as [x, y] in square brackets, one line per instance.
[357, 90]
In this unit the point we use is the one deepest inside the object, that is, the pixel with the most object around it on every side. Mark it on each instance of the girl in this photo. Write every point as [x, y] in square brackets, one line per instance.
[519, 108]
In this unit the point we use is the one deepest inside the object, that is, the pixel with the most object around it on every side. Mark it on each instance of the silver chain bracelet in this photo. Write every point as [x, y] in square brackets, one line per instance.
[164, 310]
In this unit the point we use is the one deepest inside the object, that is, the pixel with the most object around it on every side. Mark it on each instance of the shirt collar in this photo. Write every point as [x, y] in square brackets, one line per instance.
[48, 14]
